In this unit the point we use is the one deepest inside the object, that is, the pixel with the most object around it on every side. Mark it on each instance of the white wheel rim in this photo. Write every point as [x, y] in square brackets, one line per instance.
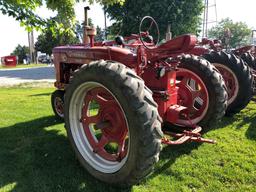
[79, 137]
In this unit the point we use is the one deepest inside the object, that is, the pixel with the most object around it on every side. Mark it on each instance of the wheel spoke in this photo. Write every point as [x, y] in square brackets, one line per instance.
[101, 144]
[102, 99]
[195, 94]
[105, 103]
[151, 24]
[193, 110]
[184, 81]
[92, 119]
[102, 125]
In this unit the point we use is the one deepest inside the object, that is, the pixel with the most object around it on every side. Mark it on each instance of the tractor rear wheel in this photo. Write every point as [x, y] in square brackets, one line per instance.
[57, 101]
[237, 77]
[201, 90]
[112, 122]
[249, 59]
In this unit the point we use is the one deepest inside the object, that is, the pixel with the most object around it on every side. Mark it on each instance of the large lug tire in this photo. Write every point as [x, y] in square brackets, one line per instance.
[57, 102]
[249, 59]
[127, 105]
[201, 90]
[237, 77]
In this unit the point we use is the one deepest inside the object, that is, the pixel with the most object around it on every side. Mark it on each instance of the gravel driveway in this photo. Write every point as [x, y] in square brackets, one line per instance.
[9, 77]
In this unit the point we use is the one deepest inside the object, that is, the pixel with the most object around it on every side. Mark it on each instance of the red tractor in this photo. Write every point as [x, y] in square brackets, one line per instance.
[236, 74]
[248, 54]
[119, 94]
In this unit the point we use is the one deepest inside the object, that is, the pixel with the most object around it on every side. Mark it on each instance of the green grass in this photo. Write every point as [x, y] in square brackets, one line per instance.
[35, 154]
[24, 66]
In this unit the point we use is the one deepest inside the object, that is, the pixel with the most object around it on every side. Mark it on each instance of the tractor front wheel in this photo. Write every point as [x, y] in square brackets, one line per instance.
[112, 123]
[57, 101]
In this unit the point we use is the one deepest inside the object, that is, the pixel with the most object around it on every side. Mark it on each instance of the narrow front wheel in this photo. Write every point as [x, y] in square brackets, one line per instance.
[57, 101]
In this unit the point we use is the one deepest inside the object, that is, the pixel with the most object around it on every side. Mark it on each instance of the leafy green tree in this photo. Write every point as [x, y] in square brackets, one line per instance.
[183, 15]
[79, 29]
[25, 11]
[240, 32]
[100, 34]
[48, 39]
[21, 52]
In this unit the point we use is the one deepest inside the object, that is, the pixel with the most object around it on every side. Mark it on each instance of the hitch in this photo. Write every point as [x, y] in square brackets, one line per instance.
[192, 135]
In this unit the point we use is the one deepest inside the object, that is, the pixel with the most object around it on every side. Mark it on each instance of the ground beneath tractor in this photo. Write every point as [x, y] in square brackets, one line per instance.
[10, 77]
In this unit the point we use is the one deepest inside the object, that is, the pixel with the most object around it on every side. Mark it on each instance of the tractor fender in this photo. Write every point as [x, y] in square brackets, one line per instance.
[199, 50]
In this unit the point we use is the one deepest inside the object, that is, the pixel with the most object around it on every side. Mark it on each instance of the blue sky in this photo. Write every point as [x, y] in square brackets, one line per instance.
[12, 34]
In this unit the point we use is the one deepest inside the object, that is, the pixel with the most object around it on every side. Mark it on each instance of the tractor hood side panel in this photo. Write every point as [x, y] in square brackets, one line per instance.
[84, 55]
[79, 55]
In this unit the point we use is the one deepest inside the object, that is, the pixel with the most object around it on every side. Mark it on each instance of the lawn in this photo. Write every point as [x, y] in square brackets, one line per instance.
[35, 154]
[24, 66]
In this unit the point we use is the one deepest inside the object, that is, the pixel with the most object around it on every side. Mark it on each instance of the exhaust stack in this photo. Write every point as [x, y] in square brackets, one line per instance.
[89, 32]
[86, 39]
[168, 33]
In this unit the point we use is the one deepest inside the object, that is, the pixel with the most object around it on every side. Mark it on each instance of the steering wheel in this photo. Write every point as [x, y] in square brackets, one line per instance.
[143, 34]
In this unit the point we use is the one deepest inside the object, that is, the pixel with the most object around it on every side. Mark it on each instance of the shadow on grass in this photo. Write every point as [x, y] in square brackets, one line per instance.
[36, 157]
[251, 130]
[244, 118]
[169, 155]
[41, 94]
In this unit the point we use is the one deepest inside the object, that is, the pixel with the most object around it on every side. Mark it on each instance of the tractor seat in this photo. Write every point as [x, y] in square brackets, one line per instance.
[181, 43]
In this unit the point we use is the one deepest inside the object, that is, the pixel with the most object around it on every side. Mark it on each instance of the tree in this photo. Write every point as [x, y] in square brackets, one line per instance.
[24, 11]
[240, 32]
[21, 52]
[47, 40]
[100, 34]
[184, 16]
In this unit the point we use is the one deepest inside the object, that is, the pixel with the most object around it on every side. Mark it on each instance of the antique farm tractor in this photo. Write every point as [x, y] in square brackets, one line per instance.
[248, 54]
[234, 70]
[118, 95]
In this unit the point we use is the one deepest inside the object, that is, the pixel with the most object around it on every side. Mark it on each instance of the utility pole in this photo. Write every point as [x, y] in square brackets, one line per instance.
[105, 24]
[31, 45]
[208, 7]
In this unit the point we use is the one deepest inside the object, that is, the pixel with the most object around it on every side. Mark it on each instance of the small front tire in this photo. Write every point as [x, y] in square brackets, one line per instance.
[57, 102]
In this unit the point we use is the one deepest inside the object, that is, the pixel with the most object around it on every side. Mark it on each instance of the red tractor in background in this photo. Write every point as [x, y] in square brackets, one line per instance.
[248, 54]
[116, 97]
[234, 70]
